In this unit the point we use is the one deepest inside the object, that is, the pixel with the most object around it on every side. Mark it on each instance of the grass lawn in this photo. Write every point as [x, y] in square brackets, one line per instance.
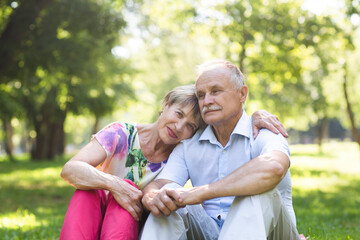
[326, 190]
[326, 194]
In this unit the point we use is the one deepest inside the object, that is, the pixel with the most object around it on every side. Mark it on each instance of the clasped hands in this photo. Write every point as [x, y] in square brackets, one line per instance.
[159, 202]
[167, 200]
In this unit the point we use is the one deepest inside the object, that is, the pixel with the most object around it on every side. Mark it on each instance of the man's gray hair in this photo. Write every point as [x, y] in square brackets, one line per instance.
[237, 78]
[185, 96]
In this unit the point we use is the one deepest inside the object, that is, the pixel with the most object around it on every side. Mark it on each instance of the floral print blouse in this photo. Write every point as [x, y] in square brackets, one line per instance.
[124, 157]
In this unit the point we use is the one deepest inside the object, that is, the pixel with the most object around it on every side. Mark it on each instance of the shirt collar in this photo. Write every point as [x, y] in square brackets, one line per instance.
[208, 134]
[243, 127]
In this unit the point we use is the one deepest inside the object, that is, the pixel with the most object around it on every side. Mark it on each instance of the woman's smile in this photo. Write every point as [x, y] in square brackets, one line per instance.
[171, 133]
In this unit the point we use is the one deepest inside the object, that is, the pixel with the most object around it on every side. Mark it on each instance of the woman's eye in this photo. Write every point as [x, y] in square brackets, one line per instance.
[192, 127]
[179, 114]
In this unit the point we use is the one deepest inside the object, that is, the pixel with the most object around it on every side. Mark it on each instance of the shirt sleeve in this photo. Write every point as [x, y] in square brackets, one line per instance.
[176, 169]
[268, 141]
[113, 139]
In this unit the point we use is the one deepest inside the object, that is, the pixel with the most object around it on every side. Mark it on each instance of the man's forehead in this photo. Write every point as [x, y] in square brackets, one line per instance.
[212, 68]
[214, 78]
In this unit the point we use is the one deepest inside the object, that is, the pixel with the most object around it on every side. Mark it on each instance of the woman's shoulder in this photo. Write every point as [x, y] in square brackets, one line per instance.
[115, 130]
[120, 125]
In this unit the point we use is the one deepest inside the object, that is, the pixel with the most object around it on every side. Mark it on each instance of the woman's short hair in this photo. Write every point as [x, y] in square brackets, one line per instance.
[185, 96]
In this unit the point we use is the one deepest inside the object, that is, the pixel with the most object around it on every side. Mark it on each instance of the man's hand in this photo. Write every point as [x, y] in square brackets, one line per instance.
[128, 197]
[264, 119]
[185, 196]
[159, 203]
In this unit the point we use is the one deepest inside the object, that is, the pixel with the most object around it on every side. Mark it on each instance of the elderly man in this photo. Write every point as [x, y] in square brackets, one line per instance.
[243, 184]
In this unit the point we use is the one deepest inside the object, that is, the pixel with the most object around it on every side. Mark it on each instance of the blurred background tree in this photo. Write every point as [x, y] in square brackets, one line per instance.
[68, 68]
[61, 62]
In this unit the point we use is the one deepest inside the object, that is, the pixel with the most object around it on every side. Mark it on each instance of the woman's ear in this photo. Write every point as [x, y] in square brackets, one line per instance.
[164, 107]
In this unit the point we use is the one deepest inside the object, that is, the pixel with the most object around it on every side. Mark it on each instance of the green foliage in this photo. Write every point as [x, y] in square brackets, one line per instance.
[70, 50]
[64, 64]
[282, 48]
[272, 42]
[10, 106]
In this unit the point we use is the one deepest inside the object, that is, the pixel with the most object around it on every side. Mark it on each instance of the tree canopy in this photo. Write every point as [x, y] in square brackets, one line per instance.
[58, 58]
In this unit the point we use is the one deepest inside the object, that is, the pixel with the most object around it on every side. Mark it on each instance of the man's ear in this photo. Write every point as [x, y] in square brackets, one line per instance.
[243, 93]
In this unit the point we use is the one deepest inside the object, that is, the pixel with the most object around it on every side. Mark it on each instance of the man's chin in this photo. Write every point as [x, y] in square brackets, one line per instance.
[209, 120]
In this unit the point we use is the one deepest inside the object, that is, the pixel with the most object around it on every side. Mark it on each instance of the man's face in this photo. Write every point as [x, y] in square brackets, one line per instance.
[219, 102]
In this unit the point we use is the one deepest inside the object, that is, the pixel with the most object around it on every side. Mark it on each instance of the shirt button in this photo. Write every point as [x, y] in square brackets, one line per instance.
[224, 151]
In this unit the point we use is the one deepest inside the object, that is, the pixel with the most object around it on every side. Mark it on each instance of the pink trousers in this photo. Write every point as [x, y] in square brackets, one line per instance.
[91, 216]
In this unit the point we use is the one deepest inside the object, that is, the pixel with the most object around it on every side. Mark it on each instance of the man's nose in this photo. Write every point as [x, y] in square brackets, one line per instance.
[208, 99]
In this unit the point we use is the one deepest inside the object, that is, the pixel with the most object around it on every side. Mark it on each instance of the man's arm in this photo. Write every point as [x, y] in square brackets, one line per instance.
[156, 200]
[259, 175]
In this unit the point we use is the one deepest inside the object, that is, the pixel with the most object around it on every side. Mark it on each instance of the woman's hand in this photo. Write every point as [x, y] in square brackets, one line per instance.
[128, 197]
[264, 119]
[156, 199]
[80, 172]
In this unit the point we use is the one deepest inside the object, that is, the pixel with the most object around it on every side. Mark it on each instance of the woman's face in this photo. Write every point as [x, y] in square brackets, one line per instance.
[176, 123]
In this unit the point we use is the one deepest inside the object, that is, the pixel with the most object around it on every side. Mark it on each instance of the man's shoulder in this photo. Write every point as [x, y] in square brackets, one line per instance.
[194, 139]
[267, 135]
[268, 141]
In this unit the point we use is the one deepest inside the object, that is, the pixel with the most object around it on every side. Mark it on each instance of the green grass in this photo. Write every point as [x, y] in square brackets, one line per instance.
[34, 199]
[326, 190]
[326, 194]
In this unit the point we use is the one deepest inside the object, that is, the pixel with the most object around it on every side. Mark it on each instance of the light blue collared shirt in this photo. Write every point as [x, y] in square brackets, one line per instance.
[204, 160]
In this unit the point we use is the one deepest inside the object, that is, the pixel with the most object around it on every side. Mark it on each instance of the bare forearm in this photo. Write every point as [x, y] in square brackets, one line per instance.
[85, 177]
[156, 200]
[154, 186]
[257, 176]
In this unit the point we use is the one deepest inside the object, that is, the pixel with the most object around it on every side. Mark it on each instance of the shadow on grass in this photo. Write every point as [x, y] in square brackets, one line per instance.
[51, 231]
[34, 198]
[329, 215]
[8, 167]
[47, 206]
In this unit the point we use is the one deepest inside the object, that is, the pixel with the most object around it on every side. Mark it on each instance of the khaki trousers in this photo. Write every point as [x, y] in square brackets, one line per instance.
[258, 217]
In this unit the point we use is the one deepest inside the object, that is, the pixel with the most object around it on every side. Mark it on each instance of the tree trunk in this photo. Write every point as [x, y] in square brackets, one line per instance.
[57, 138]
[8, 134]
[354, 130]
[242, 56]
[41, 146]
[96, 124]
[49, 127]
[50, 139]
[322, 127]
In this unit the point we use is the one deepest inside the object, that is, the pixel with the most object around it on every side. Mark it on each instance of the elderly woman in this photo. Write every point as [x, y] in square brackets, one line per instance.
[123, 158]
